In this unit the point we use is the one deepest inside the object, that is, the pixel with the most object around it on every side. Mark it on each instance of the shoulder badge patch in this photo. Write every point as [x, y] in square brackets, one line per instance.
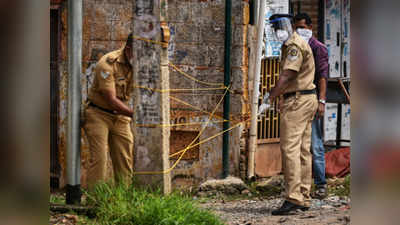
[293, 54]
[105, 75]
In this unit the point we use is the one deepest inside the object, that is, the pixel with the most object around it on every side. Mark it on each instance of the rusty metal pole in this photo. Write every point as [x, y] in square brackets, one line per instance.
[73, 195]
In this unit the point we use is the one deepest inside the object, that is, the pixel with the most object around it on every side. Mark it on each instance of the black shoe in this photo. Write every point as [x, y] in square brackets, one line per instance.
[304, 208]
[321, 192]
[288, 207]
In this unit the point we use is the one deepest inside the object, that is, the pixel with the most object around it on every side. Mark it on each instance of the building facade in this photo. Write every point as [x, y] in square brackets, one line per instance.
[196, 59]
[196, 48]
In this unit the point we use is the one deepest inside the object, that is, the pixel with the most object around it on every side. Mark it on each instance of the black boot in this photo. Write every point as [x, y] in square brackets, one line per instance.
[321, 192]
[288, 207]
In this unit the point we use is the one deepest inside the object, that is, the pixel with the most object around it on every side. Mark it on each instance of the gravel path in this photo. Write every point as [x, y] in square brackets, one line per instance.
[255, 210]
[333, 210]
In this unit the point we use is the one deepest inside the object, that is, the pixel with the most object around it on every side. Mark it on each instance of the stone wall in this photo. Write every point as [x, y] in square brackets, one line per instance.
[197, 48]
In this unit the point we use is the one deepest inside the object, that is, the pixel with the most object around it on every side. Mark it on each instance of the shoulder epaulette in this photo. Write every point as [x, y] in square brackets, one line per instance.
[111, 59]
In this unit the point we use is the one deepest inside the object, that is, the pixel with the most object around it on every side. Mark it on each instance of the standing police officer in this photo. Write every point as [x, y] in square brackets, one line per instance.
[297, 112]
[108, 116]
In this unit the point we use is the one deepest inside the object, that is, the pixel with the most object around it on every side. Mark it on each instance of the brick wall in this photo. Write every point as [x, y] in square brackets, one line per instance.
[196, 47]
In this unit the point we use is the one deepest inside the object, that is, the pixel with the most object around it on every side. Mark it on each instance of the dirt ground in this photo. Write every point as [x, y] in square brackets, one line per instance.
[254, 207]
[333, 210]
[63, 219]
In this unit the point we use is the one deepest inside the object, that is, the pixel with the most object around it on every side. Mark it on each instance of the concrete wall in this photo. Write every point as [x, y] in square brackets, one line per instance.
[197, 48]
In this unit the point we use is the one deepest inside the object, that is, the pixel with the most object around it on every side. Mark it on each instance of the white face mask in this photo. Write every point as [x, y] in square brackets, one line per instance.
[306, 34]
[131, 61]
[282, 35]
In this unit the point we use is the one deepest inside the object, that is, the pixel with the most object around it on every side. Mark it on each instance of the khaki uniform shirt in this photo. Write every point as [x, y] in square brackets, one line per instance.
[112, 72]
[297, 56]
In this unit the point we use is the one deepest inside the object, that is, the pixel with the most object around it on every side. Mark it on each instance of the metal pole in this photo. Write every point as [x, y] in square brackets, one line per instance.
[73, 195]
[227, 81]
[256, 74]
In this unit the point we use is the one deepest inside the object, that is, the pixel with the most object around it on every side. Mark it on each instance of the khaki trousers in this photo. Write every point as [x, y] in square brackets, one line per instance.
[295, 135]
[106, 131]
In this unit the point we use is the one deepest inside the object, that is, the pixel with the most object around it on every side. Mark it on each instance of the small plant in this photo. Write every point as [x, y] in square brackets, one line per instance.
[266, 191]
[341, 188]
[126, 205]
[57, 199]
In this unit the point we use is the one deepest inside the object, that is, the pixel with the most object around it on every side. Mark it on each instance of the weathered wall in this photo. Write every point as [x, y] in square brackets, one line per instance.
[196, 47]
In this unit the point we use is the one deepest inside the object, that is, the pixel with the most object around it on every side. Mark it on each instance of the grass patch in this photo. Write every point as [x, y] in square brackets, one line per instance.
[125, 205]
[265, 191]
[270, 191]
[57, 199]
[341, 188]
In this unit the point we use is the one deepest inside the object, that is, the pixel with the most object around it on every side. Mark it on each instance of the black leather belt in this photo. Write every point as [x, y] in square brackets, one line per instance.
[101, 108]
[303, 92]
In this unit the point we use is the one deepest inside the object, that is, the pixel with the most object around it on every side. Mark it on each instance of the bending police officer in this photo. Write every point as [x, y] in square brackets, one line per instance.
[108, 116]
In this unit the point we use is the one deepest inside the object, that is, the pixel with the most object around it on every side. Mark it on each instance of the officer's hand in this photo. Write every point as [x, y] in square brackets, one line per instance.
[320, 110]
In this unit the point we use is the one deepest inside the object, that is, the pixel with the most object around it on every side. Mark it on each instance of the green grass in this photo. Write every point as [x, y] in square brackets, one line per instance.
[341, 189]
[266, 191]
[57, 199]
[126, 205]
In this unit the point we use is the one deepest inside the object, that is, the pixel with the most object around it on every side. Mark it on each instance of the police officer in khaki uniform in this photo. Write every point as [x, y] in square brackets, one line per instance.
[108, 116]
[300, 104]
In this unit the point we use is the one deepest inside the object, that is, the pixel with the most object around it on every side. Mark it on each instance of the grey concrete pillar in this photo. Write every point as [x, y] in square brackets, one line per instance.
[151, 107]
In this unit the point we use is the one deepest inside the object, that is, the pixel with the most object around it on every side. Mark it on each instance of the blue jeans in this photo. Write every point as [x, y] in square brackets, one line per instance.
[318, 151]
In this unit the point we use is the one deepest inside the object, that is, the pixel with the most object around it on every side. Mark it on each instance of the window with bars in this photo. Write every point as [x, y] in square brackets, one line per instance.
[268, 123]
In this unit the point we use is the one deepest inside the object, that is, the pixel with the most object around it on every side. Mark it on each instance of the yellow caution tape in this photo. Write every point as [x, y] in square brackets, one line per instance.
[193, 78]
[189, 146]
[149, 40]
[208, 139]
[179, 90]
[176, 124]
[194, 107]
[175, 67]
